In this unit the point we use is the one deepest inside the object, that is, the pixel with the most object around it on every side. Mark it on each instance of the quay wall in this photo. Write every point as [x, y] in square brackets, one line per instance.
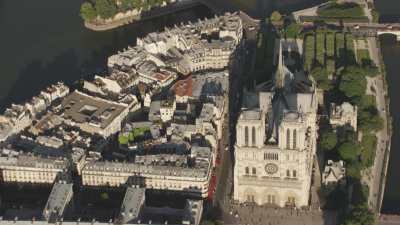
[131, 17]
[389, 131]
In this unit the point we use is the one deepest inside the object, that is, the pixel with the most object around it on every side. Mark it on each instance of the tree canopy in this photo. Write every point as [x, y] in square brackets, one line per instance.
[276, 16]
[88, 13]
[105, 9]
[349, 151]
[293, 30]
[369, 119]
[320, 75]
[360, 215]
[328, 140]
[353, 83]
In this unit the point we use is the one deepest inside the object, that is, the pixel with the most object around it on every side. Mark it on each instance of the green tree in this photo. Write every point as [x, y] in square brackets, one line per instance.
[88, 13]
[105, 9]
[293, 30]
[353, 83]
[366, 102]
[276, 16]
[353, 170]
[123, 140]
[360, 215]
[349, 151]
[320, 75]
[328, 140]
[104, 196]
[130, 4]
[369, 119]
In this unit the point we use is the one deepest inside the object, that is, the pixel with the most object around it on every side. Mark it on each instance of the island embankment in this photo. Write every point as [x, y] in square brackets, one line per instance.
[130, 17]
[388, 127]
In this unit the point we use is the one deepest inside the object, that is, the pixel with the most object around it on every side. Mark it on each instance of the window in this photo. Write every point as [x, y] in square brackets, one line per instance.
[271, 199]
[291, 201]
[247, 170]
[294, 139]
[271, 156]
[253, 171]
[253, 136]
[294, 173]
[288, 139]
[287, 173]
[246, 136]
[250, 198]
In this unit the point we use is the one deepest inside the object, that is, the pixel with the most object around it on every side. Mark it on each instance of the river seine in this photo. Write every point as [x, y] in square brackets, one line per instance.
[42, 42]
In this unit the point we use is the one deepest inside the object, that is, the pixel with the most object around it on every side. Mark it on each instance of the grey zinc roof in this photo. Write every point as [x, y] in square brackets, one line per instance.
[59, 197]
[98, 110]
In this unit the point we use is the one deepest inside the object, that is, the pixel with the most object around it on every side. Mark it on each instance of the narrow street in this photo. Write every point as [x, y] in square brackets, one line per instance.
[239, 70]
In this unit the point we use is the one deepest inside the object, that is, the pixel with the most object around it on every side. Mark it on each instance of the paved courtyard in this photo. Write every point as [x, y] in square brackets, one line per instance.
[262, 215]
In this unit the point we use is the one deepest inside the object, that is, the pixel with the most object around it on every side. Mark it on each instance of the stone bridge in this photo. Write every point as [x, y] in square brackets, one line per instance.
[375, 29]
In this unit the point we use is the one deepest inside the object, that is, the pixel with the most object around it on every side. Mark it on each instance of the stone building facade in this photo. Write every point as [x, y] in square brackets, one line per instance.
[276, 143]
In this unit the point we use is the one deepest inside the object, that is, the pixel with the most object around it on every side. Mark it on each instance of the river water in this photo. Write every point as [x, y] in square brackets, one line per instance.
[44, 41]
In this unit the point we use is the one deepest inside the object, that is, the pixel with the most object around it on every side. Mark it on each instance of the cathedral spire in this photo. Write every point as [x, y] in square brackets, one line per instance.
[280, 72]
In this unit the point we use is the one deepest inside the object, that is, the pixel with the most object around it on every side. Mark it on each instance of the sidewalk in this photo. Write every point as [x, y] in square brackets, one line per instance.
[262, 215]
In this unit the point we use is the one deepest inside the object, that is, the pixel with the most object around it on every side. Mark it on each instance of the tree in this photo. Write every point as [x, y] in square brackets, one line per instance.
[369, 120]
[276, 16]
[353, 170]
[292, 30]
[349, 151]
[353, 83]
[320, 75]
[104, 196]
[105, 9]
[366, 102]
[130, 4]
[360, 215]
[123, 140]
[88, 13]
[328, 140]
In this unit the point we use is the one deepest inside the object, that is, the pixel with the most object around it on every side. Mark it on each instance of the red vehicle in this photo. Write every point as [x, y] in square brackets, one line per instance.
[212, 186]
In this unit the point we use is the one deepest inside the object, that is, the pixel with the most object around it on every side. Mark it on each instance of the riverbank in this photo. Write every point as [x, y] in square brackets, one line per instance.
[111, 25]
[144, 15]
[379, 168]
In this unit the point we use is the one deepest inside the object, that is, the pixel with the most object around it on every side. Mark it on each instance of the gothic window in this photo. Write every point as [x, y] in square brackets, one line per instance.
[294, 173]
[253, 171]
[288, 139]
[271, 199]
[291, 201]
[246, 136]
[287, 173]
[247, 170]
[294, 139]
[250, 198]
[271, 156]
[253, 136]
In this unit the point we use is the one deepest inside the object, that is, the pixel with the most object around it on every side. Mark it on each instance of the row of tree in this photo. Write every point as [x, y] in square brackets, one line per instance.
[104, 9]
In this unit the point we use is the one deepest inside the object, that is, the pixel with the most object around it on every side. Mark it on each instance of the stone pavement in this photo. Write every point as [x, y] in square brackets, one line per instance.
[262, 215]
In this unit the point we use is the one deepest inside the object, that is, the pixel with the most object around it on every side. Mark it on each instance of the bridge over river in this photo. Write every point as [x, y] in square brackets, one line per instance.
[374, 29]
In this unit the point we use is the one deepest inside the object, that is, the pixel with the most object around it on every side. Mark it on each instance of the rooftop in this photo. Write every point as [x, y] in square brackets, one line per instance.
[82, 108]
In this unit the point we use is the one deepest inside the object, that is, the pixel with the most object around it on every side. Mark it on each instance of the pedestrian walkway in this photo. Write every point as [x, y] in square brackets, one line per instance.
[263, 215]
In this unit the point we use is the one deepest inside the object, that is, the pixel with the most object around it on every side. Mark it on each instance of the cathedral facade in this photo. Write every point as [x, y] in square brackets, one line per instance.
[276, 143]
